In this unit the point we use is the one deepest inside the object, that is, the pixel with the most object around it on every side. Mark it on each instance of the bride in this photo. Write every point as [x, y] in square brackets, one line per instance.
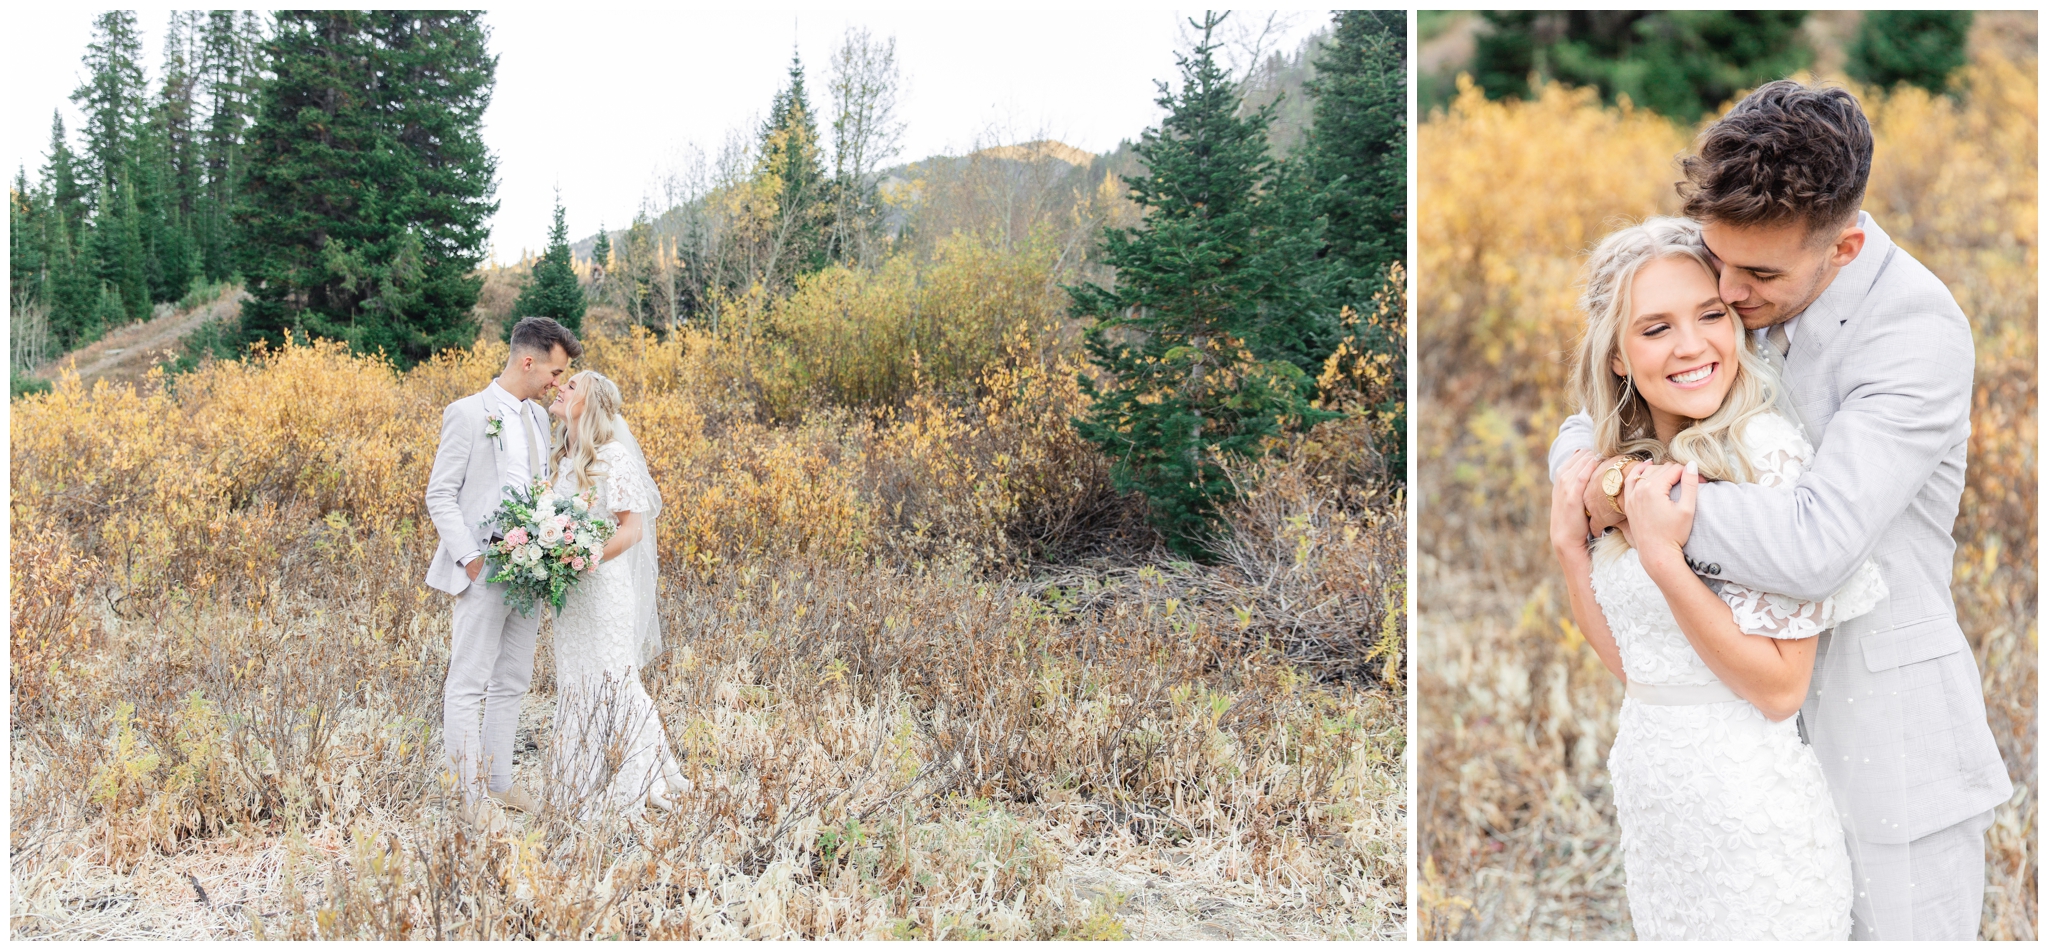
[1727, 828]
[610, 753]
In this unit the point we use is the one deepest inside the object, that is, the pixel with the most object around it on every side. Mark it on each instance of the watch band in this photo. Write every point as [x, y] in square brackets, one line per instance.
[1620, 464]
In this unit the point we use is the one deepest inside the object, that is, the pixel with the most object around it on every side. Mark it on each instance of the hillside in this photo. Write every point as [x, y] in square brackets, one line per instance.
[1018, 163]
[126, 355]
[1277, 80]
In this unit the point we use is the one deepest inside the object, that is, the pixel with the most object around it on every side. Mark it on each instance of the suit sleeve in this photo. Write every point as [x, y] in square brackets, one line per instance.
[444, 485]
[1574, 435]
[1905, 401]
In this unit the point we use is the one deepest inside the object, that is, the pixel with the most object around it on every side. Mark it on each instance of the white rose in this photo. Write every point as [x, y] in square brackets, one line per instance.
[529, 553]
[579, 505]
[540, 572]
[544, 506]
[550, 533]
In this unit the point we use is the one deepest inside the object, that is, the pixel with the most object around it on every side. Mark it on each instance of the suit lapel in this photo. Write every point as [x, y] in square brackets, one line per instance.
[483, 402]
[1805, 366]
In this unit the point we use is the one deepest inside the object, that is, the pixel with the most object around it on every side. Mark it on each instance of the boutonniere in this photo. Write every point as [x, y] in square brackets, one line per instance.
[494, 427]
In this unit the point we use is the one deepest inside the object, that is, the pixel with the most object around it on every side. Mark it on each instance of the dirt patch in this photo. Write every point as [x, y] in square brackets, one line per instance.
[125, 356]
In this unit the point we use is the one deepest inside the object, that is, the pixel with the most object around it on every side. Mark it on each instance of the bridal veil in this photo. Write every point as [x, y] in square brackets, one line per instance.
[643, 560]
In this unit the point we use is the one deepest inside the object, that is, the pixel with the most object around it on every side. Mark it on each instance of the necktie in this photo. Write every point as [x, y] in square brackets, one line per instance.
[1779, 341]
[533, 469]
[1775, 345]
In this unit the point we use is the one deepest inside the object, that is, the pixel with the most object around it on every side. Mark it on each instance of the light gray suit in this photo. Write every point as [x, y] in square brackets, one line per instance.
[1881, 370]
[490, 655]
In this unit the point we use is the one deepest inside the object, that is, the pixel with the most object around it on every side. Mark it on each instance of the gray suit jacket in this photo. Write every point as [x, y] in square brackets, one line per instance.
[466, 487]
[1881, 370]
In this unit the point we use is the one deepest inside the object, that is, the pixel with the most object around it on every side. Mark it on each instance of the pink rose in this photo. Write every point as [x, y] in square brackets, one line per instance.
[517, 538]
[576, 562]
[568, 538]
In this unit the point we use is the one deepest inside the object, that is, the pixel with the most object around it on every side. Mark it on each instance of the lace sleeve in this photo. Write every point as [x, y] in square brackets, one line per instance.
[1775, 615]
[1777, 450]
[626, 486]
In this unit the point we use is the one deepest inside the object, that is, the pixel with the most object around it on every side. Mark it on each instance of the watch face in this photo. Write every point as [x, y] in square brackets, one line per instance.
[1610, 483]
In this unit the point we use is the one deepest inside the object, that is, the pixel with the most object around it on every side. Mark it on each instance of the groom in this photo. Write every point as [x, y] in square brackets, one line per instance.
[490, 441]
[1877, 359]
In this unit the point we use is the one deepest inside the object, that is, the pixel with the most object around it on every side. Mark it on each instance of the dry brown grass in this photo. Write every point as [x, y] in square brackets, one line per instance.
[901, 720]
[1517, 835]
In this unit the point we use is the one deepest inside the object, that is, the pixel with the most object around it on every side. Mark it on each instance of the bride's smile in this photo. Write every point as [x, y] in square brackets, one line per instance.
[1690, 379]
[568, 404]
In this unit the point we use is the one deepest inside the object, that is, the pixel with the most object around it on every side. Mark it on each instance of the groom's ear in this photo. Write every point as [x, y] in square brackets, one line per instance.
[1847, 246]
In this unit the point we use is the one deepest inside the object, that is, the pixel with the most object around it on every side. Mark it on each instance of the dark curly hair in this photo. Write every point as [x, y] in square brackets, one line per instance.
[1786, 152]
[542, 335]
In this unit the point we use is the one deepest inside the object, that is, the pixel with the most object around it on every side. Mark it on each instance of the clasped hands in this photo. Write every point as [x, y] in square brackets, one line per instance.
[1654, 523]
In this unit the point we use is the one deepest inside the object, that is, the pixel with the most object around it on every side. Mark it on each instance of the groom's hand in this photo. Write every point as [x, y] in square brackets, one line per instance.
[1601, 516]
[1662, 524]
[476, 567]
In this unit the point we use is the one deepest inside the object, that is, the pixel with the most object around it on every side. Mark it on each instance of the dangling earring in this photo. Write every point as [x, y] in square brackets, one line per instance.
[1630, 423]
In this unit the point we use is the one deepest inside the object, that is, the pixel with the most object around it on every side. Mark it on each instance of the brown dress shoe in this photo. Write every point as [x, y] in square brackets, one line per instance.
[485, 816]
[517, 798]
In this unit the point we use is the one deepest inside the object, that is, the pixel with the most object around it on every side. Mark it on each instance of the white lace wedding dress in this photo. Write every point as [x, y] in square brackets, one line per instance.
[610, 752]
[1727, 828]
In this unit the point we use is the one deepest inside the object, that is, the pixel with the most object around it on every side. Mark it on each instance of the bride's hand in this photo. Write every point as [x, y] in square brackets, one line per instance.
[1660, 526]
[1568, 522]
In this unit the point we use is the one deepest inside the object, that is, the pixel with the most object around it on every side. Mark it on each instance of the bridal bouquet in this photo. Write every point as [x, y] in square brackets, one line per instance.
[543, 544]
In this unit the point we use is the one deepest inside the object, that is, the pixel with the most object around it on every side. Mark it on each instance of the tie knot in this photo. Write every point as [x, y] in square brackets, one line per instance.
[1778, 339]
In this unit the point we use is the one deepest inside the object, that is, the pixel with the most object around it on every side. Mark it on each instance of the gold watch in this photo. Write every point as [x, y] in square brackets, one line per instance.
[1611, 480]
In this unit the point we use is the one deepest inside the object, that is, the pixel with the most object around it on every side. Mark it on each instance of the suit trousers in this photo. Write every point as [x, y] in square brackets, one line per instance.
[490, 664]
[1929, 889]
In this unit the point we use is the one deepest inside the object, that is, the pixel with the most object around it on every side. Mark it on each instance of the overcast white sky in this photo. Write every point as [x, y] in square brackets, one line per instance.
[599, 100]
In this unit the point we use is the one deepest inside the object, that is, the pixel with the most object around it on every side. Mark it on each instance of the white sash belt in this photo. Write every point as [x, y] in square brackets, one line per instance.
[1681, 695]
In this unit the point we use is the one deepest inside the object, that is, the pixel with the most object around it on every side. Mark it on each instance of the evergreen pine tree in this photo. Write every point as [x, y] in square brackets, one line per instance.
[74, 288]
[176, 113]
[110, 311]
[228, 64]
[367, 189]
[601, 250]
[172, 194]
[1680, 63]
[114, 95]
[552, 289]
[117, 250]
[28, 217]
[60, 176]
[166, 255]
[1920, 47]
[1356, 154]
[310, 182]
[27, 244]
[1356, 159]
[1204, 335]
[791, 157]
[437, 73]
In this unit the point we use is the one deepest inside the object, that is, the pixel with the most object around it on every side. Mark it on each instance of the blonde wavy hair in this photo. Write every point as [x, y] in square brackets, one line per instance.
[1621, 417]
[597, 426]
